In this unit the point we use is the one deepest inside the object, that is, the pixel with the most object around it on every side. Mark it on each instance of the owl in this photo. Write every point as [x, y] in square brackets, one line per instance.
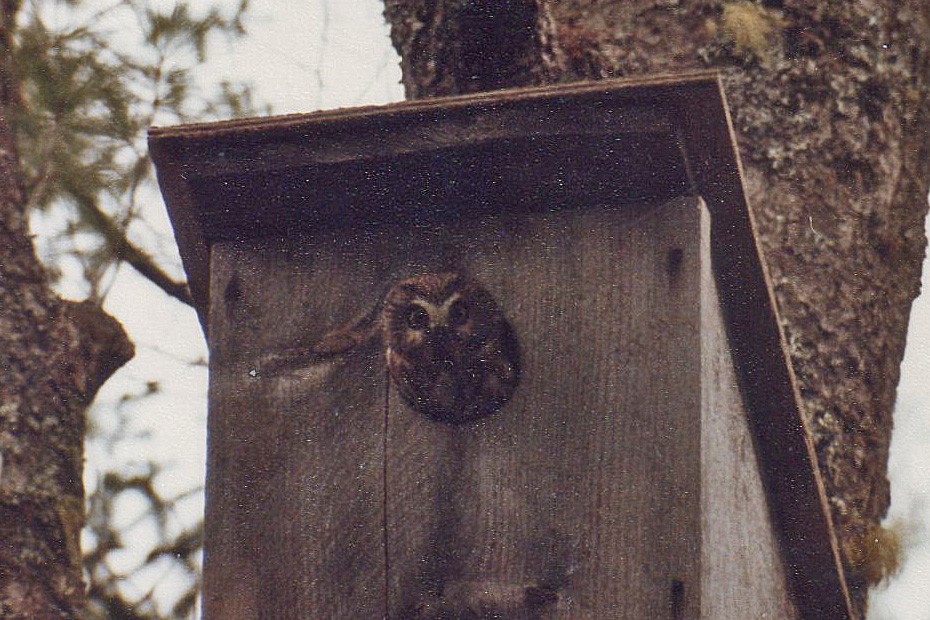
[449, 350]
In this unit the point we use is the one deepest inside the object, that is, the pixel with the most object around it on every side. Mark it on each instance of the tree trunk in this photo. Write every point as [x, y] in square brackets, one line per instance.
[831, 103]
[54, 355]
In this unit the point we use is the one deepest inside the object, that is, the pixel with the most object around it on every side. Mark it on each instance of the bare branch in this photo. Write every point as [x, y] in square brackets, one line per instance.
[125, 250]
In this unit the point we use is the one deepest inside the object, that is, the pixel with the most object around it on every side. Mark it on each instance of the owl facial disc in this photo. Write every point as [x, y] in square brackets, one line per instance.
[450, 352]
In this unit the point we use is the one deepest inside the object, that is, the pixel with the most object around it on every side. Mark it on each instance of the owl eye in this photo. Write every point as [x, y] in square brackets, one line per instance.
[417, 318]
[458, 313]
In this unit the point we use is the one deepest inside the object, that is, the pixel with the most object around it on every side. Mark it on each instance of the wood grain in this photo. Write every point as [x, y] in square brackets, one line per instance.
[238, 178]
[308, 218]
[587, 483]
[621, 480]
[789, 465]
[743, 573]
[294, 493]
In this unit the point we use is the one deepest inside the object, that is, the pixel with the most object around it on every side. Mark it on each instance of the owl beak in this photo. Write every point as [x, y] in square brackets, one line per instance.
[443, 349]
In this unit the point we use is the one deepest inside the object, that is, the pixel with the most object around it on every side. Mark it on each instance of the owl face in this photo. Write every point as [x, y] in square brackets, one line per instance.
[450, 352]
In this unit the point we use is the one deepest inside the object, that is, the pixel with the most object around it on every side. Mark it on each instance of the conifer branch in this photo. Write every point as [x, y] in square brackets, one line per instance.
[123, 249]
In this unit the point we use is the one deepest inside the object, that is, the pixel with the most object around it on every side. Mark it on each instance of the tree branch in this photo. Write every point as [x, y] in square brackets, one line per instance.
[124, 250]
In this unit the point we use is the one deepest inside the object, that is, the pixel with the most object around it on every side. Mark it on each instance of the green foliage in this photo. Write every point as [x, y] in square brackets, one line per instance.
[87, 93]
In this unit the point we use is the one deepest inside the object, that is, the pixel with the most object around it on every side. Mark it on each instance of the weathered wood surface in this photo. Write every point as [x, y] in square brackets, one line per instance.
[759, 351]
[383, 178]
[241, 178]
[743, 574]
[295, 489]
[587, 483]
[581, 499]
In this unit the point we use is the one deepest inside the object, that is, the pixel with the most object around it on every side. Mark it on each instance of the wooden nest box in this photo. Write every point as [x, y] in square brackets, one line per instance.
[508, 355]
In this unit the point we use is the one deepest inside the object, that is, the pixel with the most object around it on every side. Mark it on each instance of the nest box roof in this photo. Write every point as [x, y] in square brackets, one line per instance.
[608, 142]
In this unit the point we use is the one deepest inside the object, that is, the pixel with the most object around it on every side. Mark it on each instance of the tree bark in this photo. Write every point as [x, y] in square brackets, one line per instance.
[54, 355]
[831, 104]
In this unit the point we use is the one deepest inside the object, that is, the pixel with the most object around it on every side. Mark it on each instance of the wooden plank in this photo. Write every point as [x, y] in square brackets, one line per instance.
[188, 232]
[789, 464]
[342, 146]
[395, 132]
[294, 480]
[265, 148]
[648, 86]
[584, 487]
[743, 574]
[526, 171]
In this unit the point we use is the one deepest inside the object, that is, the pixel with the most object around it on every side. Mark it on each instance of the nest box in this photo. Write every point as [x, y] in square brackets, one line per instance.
[507, 355]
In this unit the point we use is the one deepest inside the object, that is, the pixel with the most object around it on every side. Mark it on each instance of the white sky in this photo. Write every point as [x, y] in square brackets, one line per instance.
[908, 596]
[301, 56]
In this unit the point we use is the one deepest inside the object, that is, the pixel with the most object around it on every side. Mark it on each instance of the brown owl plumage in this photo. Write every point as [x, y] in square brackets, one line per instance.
[450, 352]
